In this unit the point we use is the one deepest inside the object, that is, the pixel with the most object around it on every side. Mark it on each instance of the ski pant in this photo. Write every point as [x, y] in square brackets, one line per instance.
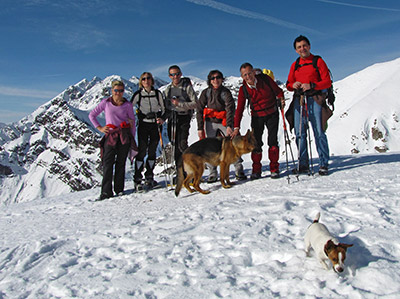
[271, 121]
[114, 155]
[148, 139]
[321, 141]
[212, 129]
[180, 140]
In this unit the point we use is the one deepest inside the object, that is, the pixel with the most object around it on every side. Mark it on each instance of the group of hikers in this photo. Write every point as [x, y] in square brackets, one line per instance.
[216, 115]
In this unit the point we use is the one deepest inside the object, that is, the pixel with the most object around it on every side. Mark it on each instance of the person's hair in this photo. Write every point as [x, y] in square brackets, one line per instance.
[244, 65]
[299, 39]
[211, 74]
[143, 75]
[117, 83]
[173, 67]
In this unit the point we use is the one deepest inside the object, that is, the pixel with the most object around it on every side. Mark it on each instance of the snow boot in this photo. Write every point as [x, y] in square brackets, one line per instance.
[239, 172]
[323, 170]
[273, 154]
[256, 158]
[139, 165]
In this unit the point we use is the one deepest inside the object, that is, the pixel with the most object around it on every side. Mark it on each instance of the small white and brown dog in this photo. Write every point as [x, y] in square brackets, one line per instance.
[326, 246]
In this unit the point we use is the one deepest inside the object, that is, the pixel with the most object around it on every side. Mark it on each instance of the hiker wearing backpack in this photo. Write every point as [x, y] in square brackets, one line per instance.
[181, 100]
[151, 114]
[215, 113]
[309, 78]
[261, 93]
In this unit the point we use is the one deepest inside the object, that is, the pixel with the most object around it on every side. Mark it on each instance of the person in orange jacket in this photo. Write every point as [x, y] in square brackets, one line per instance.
[215, 113]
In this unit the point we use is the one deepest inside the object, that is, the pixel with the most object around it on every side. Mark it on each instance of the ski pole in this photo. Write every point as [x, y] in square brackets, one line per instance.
[300, 132]
[310, 168]
[164, 157]
[173, 141]
[287, 143]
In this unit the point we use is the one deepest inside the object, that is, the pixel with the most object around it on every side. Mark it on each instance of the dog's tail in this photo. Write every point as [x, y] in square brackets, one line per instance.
[316, 219]
[179, 176]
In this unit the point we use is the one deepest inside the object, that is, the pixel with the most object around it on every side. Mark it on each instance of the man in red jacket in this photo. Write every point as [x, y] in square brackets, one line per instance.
[306, 80]
[262, 93]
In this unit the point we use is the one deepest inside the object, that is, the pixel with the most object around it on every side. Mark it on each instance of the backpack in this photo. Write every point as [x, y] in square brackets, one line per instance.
[224, 94]
[246, 94]
[185, 83]
[331, 94]
[150, 115]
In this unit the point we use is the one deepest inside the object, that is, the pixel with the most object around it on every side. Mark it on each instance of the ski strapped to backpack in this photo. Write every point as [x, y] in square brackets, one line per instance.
[331, 94]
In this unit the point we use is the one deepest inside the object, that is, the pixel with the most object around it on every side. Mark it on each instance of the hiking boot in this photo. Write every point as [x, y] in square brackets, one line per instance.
[212, 178]
[150, 183]
[303, 169]
[174, 179]
[274, 175]
[139, 187]
[323, 170]
[255, 176]
[240, 176]
[103, 196]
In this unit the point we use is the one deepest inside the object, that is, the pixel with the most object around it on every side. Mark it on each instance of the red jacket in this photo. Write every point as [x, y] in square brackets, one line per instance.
[308, 74]
[263, 100]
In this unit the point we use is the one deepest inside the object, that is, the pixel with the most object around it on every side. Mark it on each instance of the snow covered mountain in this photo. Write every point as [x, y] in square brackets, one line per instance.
[367, 113]
[54, 150]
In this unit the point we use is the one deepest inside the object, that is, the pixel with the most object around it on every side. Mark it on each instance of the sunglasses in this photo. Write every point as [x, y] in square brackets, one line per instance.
[146, 78]
[118, 90]
[175, 74]
[216, 77]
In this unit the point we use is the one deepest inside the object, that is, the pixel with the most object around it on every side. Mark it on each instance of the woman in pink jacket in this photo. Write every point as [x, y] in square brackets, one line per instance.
[118, 140]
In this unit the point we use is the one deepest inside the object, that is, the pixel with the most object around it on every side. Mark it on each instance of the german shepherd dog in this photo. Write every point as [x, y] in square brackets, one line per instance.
[222, 151]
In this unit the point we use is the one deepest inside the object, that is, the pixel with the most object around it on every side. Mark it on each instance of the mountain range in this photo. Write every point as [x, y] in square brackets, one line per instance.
[54, 150]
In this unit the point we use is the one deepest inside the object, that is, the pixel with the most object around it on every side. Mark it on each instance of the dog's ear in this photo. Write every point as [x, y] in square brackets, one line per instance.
[329, 246]
[345, 246]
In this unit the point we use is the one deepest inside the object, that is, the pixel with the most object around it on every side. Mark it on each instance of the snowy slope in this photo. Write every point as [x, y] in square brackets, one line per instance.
[244, 242]
[368, 110]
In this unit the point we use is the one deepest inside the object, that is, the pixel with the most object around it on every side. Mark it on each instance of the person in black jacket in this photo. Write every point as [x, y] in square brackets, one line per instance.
[151, 113]
[215, 113]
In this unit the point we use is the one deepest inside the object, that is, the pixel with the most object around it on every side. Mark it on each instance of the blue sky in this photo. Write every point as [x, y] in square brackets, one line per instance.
[48, 45]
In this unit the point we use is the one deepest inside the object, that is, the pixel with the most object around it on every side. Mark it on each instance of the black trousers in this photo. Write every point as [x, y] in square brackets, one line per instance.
[271, 121]
[180, 140]
[114, 155]
[148, 138]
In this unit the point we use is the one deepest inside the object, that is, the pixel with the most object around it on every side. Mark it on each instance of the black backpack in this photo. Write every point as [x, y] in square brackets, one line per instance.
[331, 94]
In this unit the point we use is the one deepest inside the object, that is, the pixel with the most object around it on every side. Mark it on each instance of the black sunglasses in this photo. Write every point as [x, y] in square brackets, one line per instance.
[118, 90]
[216, 77]
[146, 78]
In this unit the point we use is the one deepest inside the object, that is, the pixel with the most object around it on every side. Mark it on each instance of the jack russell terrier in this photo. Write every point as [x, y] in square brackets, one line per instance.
[326, 247]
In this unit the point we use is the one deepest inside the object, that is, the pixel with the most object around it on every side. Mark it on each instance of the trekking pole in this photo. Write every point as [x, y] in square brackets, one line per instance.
[310, 168]
[173, 142]
[164, 157]
[300, 131]
[287, 143]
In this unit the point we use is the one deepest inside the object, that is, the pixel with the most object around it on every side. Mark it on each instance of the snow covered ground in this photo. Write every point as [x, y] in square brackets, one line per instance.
[244, 242]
